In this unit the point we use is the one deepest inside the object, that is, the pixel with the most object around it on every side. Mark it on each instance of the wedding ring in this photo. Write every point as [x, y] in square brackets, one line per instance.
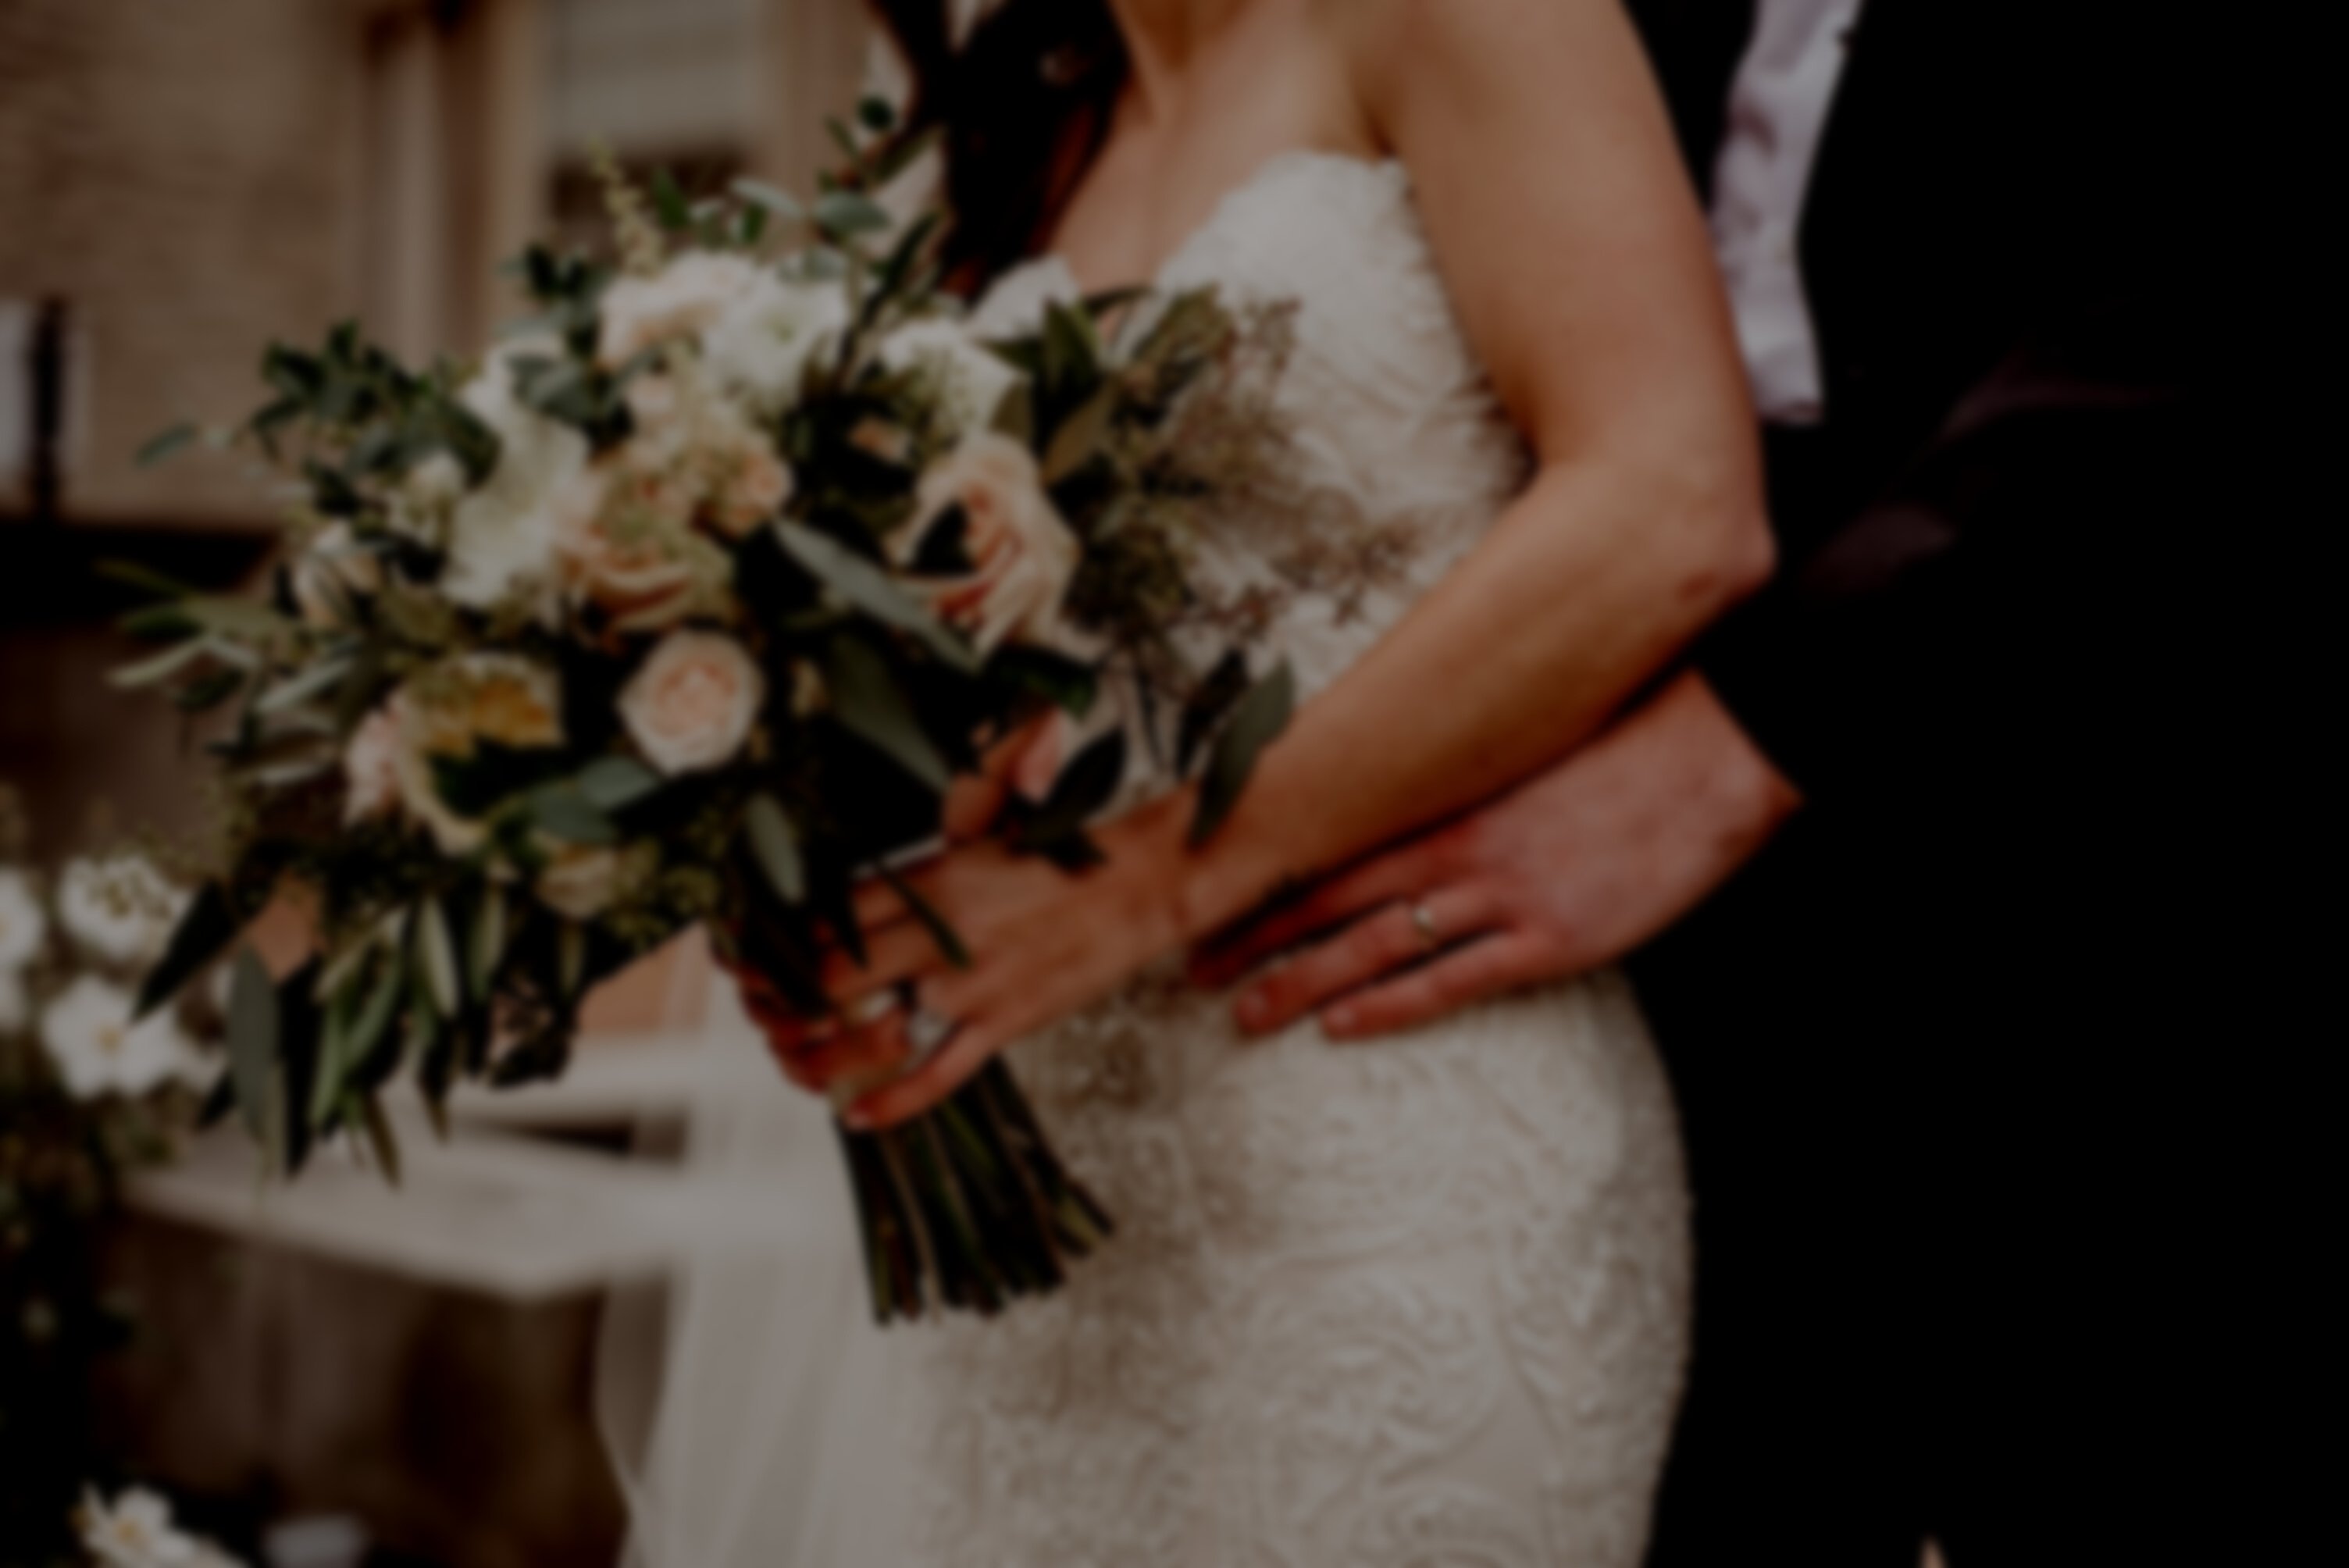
[1422, 921]
[870, 1009]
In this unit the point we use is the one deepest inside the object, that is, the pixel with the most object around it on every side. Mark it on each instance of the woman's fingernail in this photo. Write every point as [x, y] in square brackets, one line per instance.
[856, 1119]
[1338, 1022]
[1253, 1010]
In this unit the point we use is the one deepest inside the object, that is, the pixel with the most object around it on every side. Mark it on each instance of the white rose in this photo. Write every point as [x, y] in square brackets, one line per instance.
[121, 909]
[759, 347]
[680, 301]
[501, 536]
[757, 485]
[443, 711]
[626, 544]
[581, 880]
[22, 924]
[334, 568]
[371, 768]
[692, 705]
[969, 380]
[420, 503]
[95, 1047]
[1023, 554]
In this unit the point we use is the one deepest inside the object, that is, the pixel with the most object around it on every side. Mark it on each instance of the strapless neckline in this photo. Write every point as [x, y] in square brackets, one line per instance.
[1352, 165]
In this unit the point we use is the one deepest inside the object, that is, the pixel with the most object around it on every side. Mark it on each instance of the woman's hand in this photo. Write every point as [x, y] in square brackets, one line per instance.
[1042, 943]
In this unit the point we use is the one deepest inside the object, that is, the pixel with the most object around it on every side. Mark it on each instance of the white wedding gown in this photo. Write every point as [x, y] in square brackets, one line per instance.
[1402, 1305]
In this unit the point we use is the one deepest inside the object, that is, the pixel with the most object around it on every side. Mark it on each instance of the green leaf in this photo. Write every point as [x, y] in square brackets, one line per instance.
[208, 691]
[1256, 720]
[203, 934]
[326, 1072]
[749, 225]
[876, 114]
[1015, 416]
[1083, 787]
[374, 1019]
[777, 847]
[866, 699]
[436, 957]
[1071, 355]
[1060, 680]
[949, 944]
[160, 667]
[253, 1039]
[164, 444]
[844, 213]
[311, 683]
[616, 783]
[1079, 436]
[760, 194]
[571, 946]
[870, 588]
[564, 812]
[670, 204]
[1207, 704]
[489, 943]
[380, 1137]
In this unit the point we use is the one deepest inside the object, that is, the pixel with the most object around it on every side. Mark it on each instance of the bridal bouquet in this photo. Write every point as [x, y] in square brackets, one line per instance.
[687, 605]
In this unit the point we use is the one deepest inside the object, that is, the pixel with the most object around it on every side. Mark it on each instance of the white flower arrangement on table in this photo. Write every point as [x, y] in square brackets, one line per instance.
[687, 605]
[135, 1531]
[89, 1094]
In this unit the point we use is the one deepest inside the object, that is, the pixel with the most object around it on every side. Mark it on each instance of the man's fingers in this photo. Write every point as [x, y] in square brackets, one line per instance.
[1395, 874]
[1373, 945]
[926, 1086]
[1486, 967]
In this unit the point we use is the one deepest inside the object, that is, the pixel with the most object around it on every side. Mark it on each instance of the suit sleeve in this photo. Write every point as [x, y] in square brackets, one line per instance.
[2018, 565]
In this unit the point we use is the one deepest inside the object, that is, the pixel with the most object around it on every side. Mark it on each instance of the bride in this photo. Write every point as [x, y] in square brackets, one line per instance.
[1413, 1305]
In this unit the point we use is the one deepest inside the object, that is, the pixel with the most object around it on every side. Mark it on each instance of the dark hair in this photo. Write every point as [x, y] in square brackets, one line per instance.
[1023, 106]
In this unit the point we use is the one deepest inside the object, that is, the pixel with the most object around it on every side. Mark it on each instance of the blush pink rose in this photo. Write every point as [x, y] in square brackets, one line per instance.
[692, 706]
[1023, 554]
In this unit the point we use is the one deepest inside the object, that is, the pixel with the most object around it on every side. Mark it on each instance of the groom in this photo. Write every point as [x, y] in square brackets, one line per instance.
[1935, 864]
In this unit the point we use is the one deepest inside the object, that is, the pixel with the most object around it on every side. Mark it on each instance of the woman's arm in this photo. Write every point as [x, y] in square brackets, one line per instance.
[1571, 246]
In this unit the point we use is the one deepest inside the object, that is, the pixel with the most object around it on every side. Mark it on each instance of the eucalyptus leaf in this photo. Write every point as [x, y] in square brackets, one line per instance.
[669, 205]
[203, 934]
[866, 699]
[373, 1021]
[436, 957]
[161, 666]
[870, 589]
[616, 783]
[311, 683]
[1257, 718]
[758, 193]
[776, 845]
[564, 811]
[253, 1039]
[846, 213]
[165, 443]
[489, 943]
[380, 1137]
[1080, 435]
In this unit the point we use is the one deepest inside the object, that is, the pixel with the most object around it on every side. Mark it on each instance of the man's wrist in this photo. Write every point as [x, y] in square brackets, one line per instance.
[1748, 782]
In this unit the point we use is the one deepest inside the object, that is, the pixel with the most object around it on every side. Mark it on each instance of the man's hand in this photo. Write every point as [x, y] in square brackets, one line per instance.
[1570, 872]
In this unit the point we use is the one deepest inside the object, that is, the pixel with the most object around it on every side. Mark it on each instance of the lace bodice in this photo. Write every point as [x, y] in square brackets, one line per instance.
[1417, 1303]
